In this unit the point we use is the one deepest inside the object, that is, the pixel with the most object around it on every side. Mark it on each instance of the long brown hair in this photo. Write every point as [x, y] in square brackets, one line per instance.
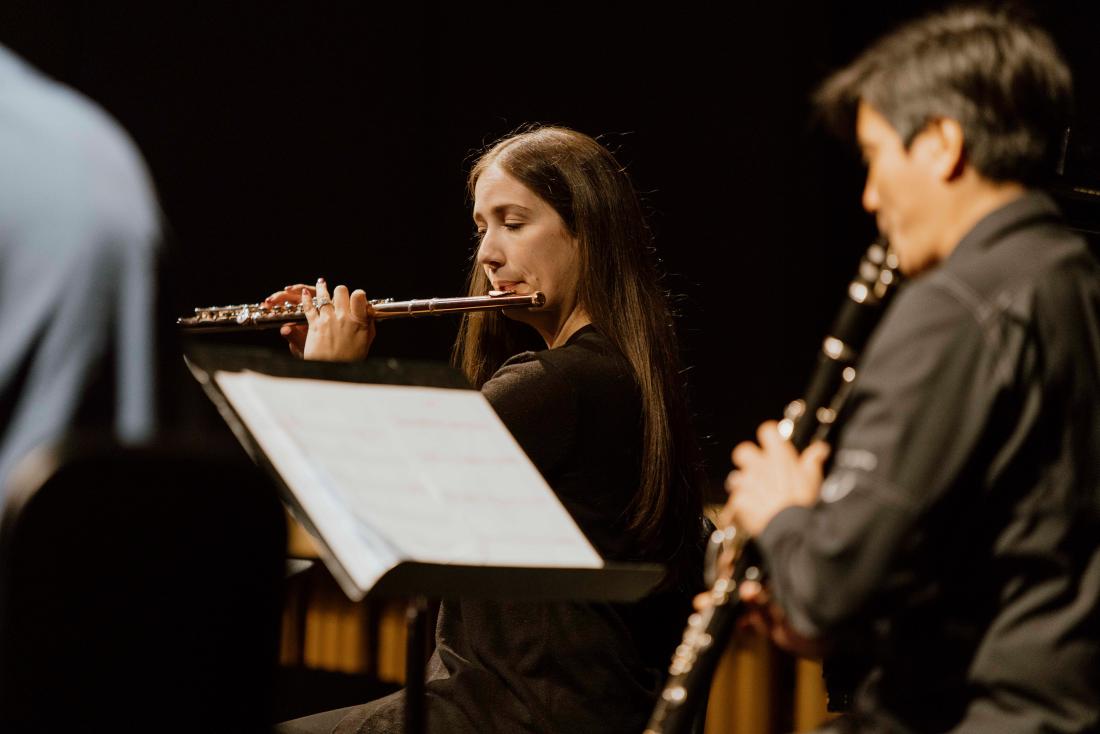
[620, 290]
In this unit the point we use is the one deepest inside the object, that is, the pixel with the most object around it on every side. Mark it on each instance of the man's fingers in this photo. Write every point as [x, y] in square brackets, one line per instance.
[815, 455]
[771, 440]
[752, 592]
[767, 431]
[703, 601]
[758, 621]
[744, 453]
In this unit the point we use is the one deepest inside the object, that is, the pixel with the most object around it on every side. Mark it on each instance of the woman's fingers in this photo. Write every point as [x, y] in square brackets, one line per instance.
[289, 294]
[310, 310]
[360, 307]
[339, 330]
[295, 335]
[300, 293]
[323, 296]
[341, 301]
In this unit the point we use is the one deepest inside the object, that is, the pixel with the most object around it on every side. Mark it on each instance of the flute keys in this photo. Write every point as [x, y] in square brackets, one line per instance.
[258, 315]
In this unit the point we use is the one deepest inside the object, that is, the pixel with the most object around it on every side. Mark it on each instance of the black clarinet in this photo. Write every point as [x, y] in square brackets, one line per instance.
[804, 421]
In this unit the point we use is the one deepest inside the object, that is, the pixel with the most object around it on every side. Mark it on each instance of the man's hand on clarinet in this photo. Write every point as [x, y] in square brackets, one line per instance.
[769, 477]
[769, 620]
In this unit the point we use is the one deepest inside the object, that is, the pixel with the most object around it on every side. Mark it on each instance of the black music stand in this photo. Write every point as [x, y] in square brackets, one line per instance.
[414, 580]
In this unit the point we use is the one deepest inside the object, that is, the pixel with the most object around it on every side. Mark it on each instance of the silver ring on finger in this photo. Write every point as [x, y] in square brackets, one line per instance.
[319, 301]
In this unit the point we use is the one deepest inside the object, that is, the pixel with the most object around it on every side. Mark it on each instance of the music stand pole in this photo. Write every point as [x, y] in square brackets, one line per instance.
[416, 628]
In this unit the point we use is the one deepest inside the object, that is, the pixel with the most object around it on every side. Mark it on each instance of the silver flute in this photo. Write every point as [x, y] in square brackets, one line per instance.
[251, 316]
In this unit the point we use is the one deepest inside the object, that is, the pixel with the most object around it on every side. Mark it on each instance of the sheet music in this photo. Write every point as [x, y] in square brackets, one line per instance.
[388, 473]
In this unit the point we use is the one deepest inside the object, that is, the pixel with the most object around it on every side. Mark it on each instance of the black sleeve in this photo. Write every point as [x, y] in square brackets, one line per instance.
[539, 407]
[921, 404]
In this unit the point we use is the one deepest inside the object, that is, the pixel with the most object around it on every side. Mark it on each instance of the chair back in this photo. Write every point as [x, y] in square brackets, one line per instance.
[139, 589]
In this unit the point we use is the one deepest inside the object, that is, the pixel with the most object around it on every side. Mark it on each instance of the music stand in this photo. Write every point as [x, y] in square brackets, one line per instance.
[413, 579]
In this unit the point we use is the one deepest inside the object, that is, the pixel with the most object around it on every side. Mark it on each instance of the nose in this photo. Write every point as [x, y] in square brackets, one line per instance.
[870, 195]
[489, 254]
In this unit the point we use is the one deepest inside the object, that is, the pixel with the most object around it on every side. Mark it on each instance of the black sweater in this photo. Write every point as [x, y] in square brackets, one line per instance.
[556, 667]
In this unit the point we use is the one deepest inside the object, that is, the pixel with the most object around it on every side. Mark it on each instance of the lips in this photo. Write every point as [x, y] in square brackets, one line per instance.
[506, 285]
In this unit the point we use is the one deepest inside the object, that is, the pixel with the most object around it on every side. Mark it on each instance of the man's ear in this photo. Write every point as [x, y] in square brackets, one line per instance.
[941, 145]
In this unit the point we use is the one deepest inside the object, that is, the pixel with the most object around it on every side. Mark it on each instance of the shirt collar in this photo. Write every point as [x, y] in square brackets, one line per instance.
[1031, 208]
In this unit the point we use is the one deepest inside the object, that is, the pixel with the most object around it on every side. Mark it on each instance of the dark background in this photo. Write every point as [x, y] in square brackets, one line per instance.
[290, 140]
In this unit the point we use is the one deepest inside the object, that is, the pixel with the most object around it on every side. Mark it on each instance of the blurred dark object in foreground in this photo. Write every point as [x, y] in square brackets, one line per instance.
[140, 589]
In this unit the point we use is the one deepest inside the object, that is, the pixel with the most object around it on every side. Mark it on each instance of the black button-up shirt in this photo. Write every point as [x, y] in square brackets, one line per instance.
[958, 532]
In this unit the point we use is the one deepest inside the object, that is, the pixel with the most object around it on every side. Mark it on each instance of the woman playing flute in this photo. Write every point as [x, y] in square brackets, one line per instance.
[601, 412]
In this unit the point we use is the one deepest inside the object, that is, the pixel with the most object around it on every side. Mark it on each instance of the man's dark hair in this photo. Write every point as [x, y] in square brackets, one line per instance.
[1001, 78]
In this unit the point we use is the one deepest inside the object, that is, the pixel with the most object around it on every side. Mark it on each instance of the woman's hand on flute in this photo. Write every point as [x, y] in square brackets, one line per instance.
[295, 334]
[339, 330]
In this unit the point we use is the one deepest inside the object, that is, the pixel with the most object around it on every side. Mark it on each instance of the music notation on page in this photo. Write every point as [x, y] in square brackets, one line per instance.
[390, 473]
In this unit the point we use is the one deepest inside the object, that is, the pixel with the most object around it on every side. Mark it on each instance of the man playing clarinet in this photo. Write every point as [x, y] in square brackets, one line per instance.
[955, 539]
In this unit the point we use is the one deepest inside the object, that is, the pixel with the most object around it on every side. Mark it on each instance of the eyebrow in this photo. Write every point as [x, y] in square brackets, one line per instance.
[505, 207]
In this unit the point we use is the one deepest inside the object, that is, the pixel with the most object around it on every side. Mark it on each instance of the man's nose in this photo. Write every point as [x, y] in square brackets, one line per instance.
[870, 196]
